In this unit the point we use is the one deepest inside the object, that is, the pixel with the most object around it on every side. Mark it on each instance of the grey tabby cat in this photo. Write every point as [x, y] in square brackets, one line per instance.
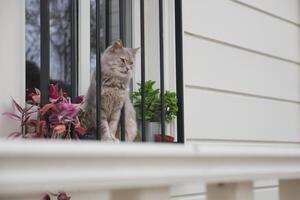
[117, 64]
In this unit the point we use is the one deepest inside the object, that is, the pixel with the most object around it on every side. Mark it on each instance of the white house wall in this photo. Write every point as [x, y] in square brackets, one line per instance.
[279, 8]
[241, 75]
[242, 78]
[12, 60]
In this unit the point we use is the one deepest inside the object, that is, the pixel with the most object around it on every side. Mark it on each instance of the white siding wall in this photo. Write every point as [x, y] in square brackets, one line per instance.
[12, 60]
[242, 77]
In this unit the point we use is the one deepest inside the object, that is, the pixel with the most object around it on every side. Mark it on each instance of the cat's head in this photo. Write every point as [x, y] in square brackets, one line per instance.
[118, 61]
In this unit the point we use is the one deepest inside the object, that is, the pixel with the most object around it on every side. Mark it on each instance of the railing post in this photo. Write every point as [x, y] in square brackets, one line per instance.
[98, 70]
[289, 189]
[161, 193]
[179, 70]
[143, 98]
[230, 191]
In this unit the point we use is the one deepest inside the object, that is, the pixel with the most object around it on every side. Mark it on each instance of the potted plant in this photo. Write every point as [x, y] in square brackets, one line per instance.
[57, 119]
[153, 109]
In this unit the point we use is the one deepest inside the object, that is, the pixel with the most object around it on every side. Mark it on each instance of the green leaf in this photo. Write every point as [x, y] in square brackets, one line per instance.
[152, 102]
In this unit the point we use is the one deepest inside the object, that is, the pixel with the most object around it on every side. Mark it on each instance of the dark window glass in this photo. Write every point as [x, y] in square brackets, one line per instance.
[113, 32]
[33, 44]
[60, 43]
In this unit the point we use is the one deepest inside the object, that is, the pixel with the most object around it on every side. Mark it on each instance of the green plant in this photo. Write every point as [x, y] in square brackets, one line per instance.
[152, 103]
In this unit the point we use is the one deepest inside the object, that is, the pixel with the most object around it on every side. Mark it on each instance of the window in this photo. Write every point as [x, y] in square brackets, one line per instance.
[32, 44]
[56, 45]
[60, 43]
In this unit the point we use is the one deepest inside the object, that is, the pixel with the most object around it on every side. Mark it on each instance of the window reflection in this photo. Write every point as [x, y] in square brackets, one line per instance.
[113, 32]
[60, 43]
[32, 43]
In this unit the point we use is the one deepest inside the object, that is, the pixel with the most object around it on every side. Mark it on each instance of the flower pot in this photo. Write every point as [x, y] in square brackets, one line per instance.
[168, 139]
[153, 132]
[151, 129]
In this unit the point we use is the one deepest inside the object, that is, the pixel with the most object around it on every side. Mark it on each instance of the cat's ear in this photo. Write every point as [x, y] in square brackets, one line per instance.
[117, 44]
[134, 50]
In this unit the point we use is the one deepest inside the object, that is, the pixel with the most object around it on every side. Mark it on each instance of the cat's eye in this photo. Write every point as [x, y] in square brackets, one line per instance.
[123, 59]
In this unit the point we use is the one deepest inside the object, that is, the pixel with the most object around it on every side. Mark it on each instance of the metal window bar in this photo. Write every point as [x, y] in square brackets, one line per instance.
[45, 36]
[74, 53]
[162, 78]
[179, 70]
[98, 70]
[122, 32]
[143, 105]
[74, 49]
[107, 22]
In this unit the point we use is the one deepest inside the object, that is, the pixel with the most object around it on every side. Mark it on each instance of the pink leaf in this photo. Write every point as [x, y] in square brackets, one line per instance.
[26, 120]
[79, 99]
[42, 125]
[14, 135]
[46, 197]
[59, 129]
[20, 109]
[80, 130]
[12, 116]
[45, 108]
[63, 196]
[32, 123]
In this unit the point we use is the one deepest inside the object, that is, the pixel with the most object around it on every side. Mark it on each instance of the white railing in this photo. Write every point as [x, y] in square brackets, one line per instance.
[91, 170]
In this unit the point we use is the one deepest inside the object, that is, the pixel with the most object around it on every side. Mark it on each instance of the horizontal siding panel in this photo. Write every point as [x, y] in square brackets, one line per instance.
[237, 24]
[267, 194]
[289, 10]
[263, 194]
[188, 188]
[189, 197]
[265, 183]
[191, 191]
[214, 65]
[216, 115]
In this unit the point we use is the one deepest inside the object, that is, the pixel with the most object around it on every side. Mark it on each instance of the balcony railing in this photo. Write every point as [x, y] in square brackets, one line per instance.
[179, 65]
[103, 23]
[87, 170]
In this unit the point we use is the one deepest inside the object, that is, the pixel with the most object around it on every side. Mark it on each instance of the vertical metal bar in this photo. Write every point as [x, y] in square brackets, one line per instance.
[162, 75]
[74, 53]
[122, 20]
[179, 71]
[74, 49]
[45, 36]
[143, 109]
[122, 32]
[123, 130]
[107, 22]
[128, 32]
[98, 70]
